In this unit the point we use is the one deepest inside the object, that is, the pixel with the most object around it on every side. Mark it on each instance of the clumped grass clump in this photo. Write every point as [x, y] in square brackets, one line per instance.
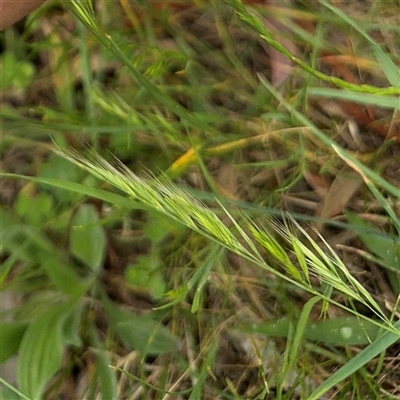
[200, 200]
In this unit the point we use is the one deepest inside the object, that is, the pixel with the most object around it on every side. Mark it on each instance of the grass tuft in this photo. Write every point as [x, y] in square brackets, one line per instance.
[207, 195]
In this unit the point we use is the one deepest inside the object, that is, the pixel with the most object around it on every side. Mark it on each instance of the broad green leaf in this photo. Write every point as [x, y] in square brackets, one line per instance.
[366, 355]
[41, 350]
[71, 327]
[146, 335]
[87, 237]
[26, 241]
[35, 209]
[57, 168]
[147, 275]
[142, 332]
[65, 277]
[158, 226]
[10, 338]
[6, 222]
[341, 331]
[8, 392]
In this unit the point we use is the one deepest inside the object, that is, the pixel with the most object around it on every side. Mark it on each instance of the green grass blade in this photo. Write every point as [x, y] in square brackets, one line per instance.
[391, 102]
[88, 19]
[255, 23]
[104, 195]
[395, 191]
[41, 350]
[299, 335]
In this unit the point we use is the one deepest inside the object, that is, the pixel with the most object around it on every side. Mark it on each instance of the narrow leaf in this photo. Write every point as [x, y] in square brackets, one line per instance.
[390, 102]
[104, 195]
[392, 71]
[105, 374]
